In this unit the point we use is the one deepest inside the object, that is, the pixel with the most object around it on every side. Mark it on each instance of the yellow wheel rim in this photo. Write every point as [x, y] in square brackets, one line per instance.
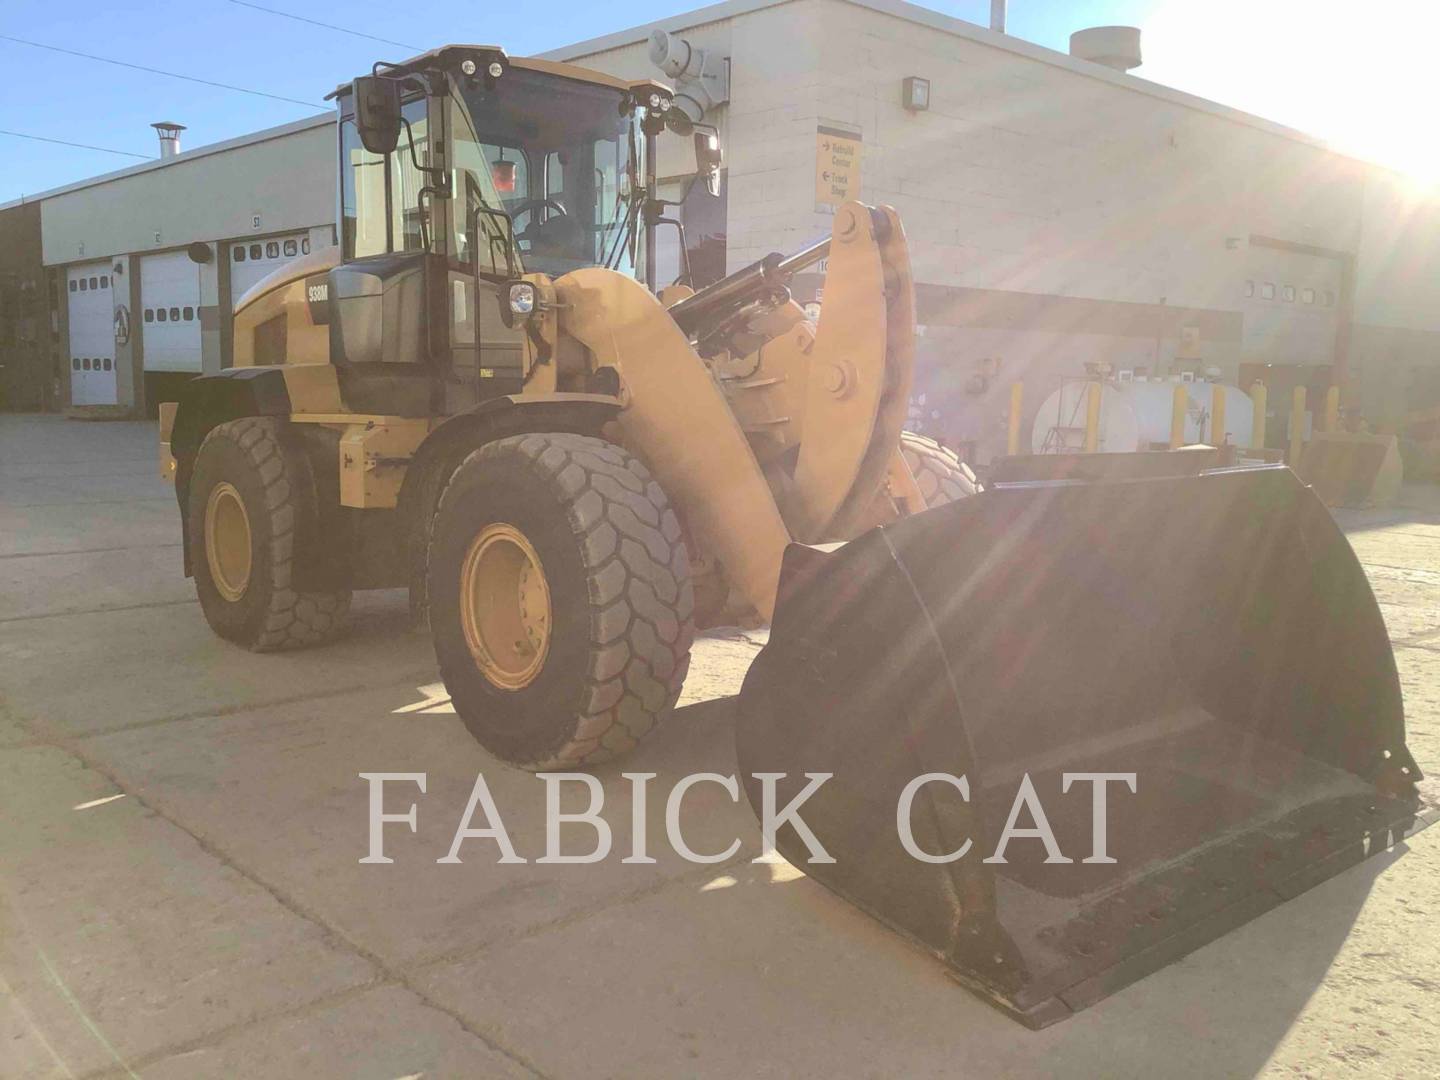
[505, 606]
[227, 541]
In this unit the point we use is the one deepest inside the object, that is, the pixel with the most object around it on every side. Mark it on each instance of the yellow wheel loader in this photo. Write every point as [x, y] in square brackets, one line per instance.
[482, 396]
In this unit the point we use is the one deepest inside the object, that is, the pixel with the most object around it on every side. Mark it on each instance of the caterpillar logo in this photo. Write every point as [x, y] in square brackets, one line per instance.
[317, 299]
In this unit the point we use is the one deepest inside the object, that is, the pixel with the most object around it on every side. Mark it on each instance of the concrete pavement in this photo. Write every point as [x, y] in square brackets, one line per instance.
[181, 896]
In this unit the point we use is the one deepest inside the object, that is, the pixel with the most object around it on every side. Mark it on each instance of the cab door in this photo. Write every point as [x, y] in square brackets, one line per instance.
[483, 350]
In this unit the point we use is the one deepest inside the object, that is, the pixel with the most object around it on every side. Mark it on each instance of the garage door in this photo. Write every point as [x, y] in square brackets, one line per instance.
[170, 306]
[251, 260]
[92, 335]
[1291, 305]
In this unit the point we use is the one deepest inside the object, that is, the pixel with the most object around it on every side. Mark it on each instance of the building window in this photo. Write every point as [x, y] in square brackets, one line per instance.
[272, 250]
[93, 285]
[83, 286]
[238, 253]
[1307, 296]
[174, 314]
[106, 362]
[160, 314]
[1288, 294]
[254, 251]
[104, 281]
[189, 313]
[1329, 298]
[149, 314]
[1249, 288]
[305, 246]
[1267, 291]
[291, 248]
[74, 363]
[85, 364]
[73, 286]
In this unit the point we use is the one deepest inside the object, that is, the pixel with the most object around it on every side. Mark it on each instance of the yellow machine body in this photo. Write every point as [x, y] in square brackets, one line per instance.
[713, 430]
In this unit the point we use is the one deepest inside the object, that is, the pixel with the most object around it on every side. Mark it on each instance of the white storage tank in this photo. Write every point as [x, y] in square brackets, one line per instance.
[1136, 416]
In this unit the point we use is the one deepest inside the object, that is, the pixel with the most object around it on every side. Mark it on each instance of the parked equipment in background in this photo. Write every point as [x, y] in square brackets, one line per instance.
[1136, 415]
[1211, 635]
[1353, 470]
[480, 396]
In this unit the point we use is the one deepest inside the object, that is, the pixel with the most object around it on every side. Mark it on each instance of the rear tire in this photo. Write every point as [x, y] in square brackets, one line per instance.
[242, 517]
[939, 472]
[560, 599]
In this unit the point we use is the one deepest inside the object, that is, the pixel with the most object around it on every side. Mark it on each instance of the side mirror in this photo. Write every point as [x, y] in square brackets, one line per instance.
[377, 112]
[708, 159]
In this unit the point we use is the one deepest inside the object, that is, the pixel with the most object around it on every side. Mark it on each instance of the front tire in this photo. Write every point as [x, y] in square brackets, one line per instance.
[561, 603]
[243, 510]
[940, 474]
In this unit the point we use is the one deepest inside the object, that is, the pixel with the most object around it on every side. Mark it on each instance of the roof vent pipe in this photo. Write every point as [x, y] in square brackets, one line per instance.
[169, 133]
[997, 16]
[1116, 47]
[701, 76]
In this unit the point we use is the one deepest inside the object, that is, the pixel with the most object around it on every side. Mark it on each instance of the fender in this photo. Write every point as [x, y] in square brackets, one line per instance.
[218, 399]
[211, 400]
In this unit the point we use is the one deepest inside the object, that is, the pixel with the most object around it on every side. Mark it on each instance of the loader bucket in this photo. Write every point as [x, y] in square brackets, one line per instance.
[1213, 634]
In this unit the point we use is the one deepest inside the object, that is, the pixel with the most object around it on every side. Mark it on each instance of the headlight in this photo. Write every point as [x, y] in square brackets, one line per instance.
[467, 67]
[495, 69]
[654, 101]
[522, 298]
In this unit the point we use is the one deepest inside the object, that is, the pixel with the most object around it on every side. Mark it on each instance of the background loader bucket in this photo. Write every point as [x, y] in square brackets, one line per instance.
[1352, 470]
[1212, 634]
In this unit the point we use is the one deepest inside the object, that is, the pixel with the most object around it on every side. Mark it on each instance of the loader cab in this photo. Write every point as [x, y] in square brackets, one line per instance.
[460, 172]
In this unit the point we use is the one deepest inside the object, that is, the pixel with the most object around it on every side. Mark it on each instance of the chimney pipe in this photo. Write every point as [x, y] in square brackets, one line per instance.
[997, 16]
[169, 133]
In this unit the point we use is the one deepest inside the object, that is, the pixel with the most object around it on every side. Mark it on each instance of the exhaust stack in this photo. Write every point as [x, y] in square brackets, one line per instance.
[169, 133]
[997, 16]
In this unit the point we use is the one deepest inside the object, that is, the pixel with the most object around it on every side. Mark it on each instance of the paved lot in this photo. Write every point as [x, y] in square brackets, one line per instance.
[180, 891]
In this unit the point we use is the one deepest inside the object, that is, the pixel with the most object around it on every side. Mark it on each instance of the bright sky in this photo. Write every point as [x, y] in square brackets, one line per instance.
[1358, 74]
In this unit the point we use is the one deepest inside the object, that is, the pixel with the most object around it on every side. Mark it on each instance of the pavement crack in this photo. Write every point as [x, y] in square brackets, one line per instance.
[635, 896]
[219, 1035]
[250, 706]
[87, 551]
[72, 612]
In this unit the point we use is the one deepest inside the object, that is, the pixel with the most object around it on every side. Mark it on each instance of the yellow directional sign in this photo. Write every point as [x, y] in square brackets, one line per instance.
[837, 165]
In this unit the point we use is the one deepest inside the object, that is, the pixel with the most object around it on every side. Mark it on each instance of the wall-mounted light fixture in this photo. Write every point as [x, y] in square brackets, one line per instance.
[915, 93]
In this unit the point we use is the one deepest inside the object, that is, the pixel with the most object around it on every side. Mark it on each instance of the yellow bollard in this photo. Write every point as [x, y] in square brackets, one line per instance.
[1177, 416]
[1332, 409]
[1092, 417]
[1217, 414]
[1297, 426]
[1017, 399]
[1258, 394]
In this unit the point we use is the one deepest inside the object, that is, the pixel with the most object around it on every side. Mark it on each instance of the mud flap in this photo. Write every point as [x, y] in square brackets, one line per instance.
[1214, 635]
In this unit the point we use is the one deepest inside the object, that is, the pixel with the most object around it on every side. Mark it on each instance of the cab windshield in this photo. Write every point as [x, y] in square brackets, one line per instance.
[560, 159]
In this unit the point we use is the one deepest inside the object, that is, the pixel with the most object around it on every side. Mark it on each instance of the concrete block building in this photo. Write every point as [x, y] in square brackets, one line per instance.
[1062, 212]
[142, 266]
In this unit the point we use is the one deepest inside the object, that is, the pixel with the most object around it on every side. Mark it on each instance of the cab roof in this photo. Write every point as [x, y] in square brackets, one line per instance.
[447, 55]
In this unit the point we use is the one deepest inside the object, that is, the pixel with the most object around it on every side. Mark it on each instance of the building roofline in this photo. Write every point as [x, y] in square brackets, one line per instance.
[264, 135]
[948, 24]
